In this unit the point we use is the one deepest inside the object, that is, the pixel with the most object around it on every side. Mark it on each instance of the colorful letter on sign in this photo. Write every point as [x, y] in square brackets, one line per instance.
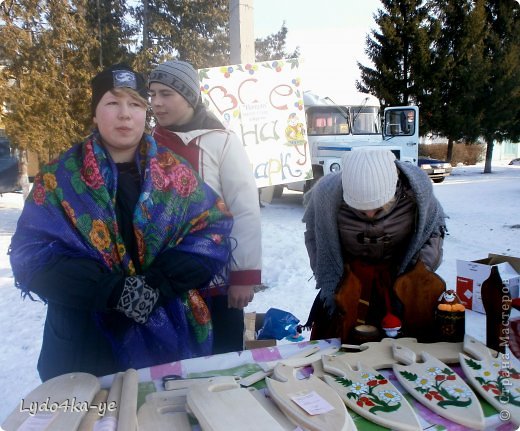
[263, 104]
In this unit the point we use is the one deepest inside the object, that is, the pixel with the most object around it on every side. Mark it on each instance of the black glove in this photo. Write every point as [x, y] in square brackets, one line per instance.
[137, 299]
[175, 272]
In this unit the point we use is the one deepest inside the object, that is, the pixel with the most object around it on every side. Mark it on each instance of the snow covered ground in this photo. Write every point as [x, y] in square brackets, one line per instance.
[484, 217]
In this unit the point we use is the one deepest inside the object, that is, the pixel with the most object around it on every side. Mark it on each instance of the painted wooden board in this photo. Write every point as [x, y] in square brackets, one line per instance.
[378, 355]
[164, 411]
[438, 387]
[372, 396]
[63, 392]
[493, 378]
[284, 392]
[222, 405]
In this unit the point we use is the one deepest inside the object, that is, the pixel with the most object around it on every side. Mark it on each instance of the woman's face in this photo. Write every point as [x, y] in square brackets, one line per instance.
[169, 107]
[121, 120]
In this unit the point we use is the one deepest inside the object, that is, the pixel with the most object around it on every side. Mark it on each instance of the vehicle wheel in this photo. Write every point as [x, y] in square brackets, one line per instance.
[277, 192]
[438, 180]
[309, 184]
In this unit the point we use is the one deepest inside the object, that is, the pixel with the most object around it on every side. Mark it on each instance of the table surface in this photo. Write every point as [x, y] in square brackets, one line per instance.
[246, 362]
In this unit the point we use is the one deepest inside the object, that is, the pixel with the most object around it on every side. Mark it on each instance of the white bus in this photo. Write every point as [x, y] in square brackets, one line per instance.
[336, 125]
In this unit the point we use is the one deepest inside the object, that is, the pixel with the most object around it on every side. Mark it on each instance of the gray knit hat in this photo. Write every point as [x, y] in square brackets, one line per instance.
[369, 178]
[180, 76]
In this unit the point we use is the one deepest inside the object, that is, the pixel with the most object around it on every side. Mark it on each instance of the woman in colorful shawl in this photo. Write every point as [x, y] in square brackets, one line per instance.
[117, 237]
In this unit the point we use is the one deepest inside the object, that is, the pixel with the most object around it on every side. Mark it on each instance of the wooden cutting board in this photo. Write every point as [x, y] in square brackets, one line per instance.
[493, 378]
[378, 355]
[65, 394]
[372, 396]
[301, 359]
[286, 392]
[438, 387]
[222, 405]
[164, 411]
[272, 408]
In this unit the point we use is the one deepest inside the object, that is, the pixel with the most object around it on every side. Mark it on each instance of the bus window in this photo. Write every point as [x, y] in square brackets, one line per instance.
[400, 122]
[327, 121]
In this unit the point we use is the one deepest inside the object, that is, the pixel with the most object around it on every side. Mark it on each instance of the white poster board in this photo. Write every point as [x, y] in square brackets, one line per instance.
[263, 104]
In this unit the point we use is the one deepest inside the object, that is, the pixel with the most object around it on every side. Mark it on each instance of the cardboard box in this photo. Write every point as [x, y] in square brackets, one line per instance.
[253, 322]
[471, 275]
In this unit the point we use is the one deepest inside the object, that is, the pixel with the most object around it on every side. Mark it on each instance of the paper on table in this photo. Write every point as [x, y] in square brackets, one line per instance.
[312, 403]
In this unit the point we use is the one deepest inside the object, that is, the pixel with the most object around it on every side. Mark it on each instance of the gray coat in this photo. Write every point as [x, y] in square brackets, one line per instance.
[322, 237]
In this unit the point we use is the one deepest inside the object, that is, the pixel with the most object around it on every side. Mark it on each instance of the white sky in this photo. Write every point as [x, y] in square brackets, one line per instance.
[330, 33]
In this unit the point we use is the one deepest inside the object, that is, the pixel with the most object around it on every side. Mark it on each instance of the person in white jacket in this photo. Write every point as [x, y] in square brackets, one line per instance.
[217, 154]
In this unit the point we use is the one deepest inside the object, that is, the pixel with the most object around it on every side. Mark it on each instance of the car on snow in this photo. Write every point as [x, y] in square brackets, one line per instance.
[515, 162]
[436, 169]
[8, 168]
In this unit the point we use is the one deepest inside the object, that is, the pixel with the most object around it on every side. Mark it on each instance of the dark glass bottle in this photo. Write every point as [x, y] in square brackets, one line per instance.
[496, 299]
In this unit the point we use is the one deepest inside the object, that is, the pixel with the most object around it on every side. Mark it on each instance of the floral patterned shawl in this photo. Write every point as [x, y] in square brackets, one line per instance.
[71, 212]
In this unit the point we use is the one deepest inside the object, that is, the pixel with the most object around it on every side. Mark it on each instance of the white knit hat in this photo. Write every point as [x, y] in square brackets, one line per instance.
[369, 178]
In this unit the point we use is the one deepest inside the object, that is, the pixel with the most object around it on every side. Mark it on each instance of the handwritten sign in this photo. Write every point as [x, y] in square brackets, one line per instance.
[263, 104]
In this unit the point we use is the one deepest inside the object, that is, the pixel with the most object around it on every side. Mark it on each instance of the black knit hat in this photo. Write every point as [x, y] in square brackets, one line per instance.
[116, 76]
[181, 76]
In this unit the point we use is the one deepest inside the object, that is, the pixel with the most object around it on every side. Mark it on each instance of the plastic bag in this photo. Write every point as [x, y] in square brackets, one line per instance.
[278, 324]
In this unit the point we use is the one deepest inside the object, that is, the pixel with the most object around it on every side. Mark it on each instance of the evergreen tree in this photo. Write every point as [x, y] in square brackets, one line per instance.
[108, 21]
[397, 51]
[195, 31]
[45, 84]
[500, 97]
[457, 72]
[272, 47]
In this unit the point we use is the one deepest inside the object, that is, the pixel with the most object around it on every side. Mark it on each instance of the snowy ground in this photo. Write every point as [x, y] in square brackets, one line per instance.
[484, 217]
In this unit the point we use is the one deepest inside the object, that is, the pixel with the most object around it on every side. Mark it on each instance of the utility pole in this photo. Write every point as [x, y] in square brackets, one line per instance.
[242, 44]
[241, 31]
[145, 26]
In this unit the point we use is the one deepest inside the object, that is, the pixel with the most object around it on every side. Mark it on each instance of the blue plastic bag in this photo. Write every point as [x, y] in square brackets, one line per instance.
[278, 324]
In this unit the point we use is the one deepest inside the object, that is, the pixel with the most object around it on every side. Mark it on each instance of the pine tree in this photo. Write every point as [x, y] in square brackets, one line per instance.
[108, 20]
[457, 72]
[195, 31]
[397, 50]
[273, 47]
[500, 98]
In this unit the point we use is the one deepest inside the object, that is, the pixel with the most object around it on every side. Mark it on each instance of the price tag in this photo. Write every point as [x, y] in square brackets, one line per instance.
[312, 403]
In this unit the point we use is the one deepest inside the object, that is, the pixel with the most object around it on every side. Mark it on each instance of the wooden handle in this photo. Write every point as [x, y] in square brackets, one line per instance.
[254, 378]
[284, 373]
[333, 365]
[477, 349]
[94, 413]
[404, 354]
[127, 420]
[114, 395]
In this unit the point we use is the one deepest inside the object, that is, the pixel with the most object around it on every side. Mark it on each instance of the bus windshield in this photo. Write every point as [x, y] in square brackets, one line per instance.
[366, 120]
